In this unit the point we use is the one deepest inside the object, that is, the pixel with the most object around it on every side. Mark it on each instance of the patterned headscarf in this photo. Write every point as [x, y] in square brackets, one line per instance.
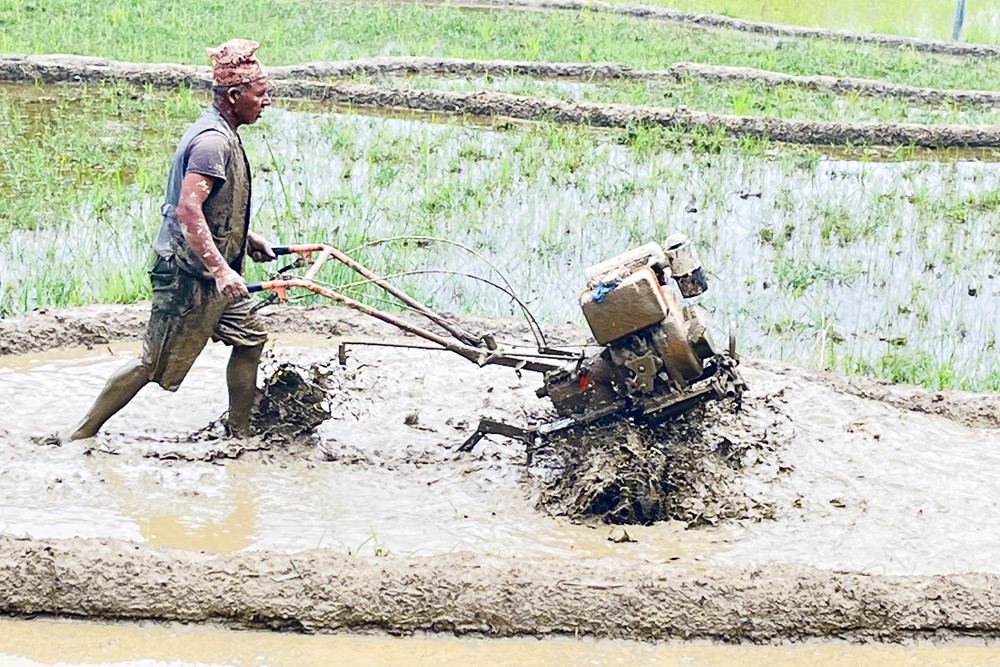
[233, 63]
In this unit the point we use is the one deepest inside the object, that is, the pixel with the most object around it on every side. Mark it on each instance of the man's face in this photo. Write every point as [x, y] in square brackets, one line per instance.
[249, 103]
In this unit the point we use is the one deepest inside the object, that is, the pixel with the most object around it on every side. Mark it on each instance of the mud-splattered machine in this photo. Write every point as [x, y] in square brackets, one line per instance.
[654, 357]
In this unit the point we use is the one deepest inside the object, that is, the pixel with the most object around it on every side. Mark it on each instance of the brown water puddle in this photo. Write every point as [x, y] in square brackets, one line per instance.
[869, 486]
[83, 643]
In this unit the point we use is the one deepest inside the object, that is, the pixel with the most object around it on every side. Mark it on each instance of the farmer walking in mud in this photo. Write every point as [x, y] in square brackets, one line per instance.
[198, 290]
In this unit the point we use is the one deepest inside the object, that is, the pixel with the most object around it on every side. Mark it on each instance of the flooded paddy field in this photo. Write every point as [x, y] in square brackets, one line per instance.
[864, 262]
[860, 493]
[830, 507]
[865, 485]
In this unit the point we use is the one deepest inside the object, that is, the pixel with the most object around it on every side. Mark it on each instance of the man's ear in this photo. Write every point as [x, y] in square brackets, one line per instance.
[233, 94]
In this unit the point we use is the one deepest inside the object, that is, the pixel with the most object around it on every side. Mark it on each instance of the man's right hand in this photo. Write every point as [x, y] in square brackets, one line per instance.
[231, 284]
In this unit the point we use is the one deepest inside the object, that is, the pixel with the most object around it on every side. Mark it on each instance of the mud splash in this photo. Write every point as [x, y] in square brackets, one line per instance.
[294, 399]
[690, 469]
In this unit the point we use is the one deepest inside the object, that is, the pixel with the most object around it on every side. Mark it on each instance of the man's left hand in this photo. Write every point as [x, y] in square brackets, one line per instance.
[259, 248]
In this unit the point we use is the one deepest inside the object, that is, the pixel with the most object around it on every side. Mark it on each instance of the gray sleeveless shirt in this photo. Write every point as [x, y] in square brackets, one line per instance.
[227, 208]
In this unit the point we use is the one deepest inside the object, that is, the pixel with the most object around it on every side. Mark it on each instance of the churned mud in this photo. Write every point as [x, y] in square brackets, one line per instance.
[689, 470]
[487, 104]
[824, 507]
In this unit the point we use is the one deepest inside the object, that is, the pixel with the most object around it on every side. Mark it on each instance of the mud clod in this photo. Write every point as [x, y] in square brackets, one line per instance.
[293, 401]
[688, 470]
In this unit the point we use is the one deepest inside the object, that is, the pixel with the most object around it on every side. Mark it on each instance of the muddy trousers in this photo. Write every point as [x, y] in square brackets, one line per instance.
[186, 313]
[125, 383]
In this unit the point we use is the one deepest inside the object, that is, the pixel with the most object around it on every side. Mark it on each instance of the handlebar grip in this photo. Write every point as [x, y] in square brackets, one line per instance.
[255, 287]
[280, 250]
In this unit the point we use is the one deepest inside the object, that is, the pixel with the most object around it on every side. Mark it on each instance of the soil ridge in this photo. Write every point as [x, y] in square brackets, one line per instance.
[612, 115]
[59, 68]
[322, 591]
[487, 104]
[90, 326]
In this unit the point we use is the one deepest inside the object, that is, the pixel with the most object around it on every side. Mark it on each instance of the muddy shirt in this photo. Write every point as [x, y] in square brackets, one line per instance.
[207, 154]
[209, 146]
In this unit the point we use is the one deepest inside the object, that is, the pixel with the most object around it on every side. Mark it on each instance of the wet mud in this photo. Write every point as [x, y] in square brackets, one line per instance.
[716, 21]
[817, 510]
[688, 470]
[486, 104]
[317, 590]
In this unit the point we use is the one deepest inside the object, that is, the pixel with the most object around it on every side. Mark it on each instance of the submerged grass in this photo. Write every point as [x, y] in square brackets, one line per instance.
[85, 167]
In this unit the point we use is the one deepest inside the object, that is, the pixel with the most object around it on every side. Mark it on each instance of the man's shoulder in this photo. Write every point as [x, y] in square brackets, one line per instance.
[208, 154]
[211, 138]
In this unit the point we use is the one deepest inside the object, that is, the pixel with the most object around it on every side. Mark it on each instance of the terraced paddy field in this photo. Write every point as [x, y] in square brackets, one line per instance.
[841, 191]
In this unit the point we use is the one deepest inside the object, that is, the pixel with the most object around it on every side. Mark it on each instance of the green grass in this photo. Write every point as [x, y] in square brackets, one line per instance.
[930, 19]
[293, 31]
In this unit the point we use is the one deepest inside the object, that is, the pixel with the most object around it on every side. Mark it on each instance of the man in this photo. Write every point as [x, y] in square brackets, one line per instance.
[198, 290]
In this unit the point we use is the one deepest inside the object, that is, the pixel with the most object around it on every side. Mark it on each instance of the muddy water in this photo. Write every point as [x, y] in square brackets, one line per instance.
[865, 486]
[78, 643]
[392, 488]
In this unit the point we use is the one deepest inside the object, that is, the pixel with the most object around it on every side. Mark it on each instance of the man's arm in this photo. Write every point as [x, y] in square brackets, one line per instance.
[195, 189]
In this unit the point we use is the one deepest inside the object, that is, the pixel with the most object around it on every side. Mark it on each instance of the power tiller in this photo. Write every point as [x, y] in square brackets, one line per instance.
[654, 357]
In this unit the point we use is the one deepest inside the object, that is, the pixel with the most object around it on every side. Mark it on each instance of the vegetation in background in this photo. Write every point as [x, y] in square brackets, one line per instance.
[881, 262]
[932, 19]
[295, 31]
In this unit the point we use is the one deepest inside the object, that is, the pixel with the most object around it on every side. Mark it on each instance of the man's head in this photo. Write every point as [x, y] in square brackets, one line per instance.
[240, 83]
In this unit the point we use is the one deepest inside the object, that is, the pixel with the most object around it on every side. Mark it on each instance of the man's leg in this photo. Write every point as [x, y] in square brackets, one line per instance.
[241, 376]
[121, 388]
